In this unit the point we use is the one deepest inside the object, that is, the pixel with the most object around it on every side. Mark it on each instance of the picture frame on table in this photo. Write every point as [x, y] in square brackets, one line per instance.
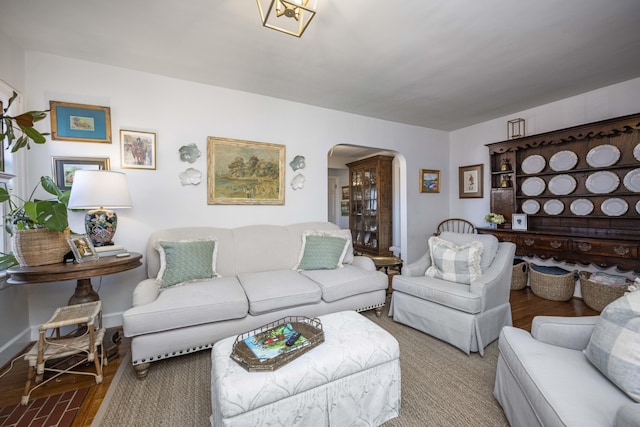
[429, 181]
[245, 172]
[470, 181]
[137, 149]
[63, 168]
[519, 221]
[80, 122]
[82, 247]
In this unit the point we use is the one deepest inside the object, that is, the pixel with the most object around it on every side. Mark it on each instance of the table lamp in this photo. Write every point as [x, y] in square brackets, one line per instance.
[100, 191]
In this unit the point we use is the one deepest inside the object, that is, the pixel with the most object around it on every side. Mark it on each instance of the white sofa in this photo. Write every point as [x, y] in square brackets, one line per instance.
[258, 285]
[544, 379]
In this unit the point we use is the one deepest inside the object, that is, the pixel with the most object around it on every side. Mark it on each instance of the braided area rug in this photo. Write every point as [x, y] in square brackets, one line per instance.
[441, 386]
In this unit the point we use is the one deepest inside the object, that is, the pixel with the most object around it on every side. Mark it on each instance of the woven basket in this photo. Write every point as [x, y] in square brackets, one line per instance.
[39, 246]
[555, 287]
[597, 295]
[520, 275]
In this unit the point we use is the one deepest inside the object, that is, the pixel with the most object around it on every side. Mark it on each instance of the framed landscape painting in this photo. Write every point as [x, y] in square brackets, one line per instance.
[65, 167]
[429, 181]
[80, 122]
[245, 172]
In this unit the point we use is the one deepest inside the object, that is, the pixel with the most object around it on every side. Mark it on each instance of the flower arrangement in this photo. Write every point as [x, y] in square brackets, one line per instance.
[494, 218]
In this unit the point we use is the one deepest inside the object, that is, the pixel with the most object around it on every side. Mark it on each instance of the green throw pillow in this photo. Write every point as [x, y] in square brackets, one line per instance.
[614, 347]
[321, 252]
[186, 261]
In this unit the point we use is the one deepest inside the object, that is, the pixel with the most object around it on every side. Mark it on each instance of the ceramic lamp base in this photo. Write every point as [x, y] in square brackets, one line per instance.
[100, 225]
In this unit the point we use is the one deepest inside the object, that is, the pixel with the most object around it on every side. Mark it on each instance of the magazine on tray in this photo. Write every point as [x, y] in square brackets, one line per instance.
[273, 342]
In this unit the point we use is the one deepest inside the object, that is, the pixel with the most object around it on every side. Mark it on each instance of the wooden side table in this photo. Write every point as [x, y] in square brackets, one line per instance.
[82, 272]
[386, 262]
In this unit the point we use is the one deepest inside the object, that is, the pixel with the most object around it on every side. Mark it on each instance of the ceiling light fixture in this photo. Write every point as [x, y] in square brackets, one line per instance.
[288, 16]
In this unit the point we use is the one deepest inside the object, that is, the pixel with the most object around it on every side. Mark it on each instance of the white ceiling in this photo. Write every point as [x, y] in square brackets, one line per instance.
[443, 64]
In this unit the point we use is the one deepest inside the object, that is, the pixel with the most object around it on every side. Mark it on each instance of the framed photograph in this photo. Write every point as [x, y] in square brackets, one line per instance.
[65, 167]
[429, 181]
[137, 149]
[470, 181]
[245, 172]
[345, 193]
[82, 247]
[344, 208]
[519, 222]
[80, 122]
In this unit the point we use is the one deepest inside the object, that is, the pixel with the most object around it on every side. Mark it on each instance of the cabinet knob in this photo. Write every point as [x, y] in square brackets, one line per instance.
[584, 247]
[555, 244]
[621, 250]
[528, 241]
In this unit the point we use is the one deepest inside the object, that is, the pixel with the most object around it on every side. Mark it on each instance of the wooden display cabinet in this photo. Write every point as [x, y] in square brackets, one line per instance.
[371, 205]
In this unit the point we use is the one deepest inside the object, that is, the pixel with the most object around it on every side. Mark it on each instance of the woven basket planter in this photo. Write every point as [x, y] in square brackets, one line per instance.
[39, 246]
[555, 287]
[520, 275]
[597, 295]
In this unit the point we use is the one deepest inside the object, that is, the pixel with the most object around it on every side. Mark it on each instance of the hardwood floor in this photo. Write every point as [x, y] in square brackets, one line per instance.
[524, 306]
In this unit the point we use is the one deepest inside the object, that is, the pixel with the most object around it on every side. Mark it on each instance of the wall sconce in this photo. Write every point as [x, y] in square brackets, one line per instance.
[96, 190]
[515, 128]
[288, 16]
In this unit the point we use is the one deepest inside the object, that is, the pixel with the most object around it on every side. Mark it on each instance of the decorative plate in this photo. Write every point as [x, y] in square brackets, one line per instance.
[632, 180]
[614, 207]
[638, 207]
[531, 207]
[636, 152]
[533, 164]
[603, 155]
[602, 182]
[553, 207]
[561, 185]
[581, 207]
[533, 186]
[563, 160]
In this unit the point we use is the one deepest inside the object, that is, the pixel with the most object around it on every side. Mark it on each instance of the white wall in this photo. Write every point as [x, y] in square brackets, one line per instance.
[182, 112]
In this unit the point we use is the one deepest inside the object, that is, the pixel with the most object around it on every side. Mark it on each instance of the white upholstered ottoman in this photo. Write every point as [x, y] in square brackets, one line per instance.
[353, 378]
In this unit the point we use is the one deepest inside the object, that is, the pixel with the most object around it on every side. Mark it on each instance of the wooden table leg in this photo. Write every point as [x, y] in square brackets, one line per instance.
[84, 293]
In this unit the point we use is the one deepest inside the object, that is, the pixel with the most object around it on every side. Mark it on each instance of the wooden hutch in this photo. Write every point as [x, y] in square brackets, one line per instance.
[371, 205]
[580, 190]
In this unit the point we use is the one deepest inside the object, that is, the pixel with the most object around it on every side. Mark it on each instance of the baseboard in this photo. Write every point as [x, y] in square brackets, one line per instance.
[14, 346]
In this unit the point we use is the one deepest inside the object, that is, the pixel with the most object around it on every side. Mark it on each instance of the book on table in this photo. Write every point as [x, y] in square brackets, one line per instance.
[110, 250]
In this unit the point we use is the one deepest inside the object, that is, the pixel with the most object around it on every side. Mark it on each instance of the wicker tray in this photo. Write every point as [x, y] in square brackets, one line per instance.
[311, 329]
[555, 287]
[520, 275]
[597, 295]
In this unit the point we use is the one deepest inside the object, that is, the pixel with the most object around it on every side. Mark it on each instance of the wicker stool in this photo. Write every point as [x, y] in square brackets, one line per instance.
[82, 343]
[552, 283]
[597, 295]
[520, 275]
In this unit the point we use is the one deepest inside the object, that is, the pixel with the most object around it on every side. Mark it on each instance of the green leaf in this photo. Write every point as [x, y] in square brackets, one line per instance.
[33, 134]
[20, 143]
[4, 195]
[53, 215]
[31, 210]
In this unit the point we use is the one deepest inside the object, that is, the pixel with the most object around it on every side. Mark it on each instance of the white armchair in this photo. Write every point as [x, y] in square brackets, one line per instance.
[466, 315]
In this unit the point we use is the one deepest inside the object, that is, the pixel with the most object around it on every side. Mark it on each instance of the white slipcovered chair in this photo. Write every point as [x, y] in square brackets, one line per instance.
[467, 315]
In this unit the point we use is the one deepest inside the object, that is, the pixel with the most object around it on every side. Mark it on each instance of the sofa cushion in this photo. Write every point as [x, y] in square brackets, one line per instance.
[347, 281]
[186, 261]
[561, 386]
[322, 250]
[182, 306]
[489, 245]
[614, 347]
[274, 290]
[450, 294]
[459, 264]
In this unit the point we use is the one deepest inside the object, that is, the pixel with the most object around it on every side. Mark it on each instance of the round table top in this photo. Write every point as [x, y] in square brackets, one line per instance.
[386, 261]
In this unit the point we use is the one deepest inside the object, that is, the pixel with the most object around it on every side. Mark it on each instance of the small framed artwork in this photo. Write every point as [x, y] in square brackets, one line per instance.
[470, 181]
[80, 122]
[519, 222]
[138, 149]
[82, 247]
[65, 167]
[429, 181]
[345, 193]
[344, 208]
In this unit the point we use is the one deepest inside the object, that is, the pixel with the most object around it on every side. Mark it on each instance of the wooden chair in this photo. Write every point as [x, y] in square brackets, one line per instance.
[65, 352]
[455, 225]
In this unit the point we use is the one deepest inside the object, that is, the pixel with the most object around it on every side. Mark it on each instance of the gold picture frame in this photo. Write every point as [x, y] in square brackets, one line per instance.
[429, 181]
[80, 122]
[345, 192]
[245, 172]
[137, 149]
[470, 181]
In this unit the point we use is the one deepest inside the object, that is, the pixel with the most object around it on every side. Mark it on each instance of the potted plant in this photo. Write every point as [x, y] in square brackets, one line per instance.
[38, 227]
[20, 127]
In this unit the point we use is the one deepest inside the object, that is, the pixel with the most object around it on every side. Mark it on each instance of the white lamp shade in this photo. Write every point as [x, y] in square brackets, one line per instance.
[98, 188]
